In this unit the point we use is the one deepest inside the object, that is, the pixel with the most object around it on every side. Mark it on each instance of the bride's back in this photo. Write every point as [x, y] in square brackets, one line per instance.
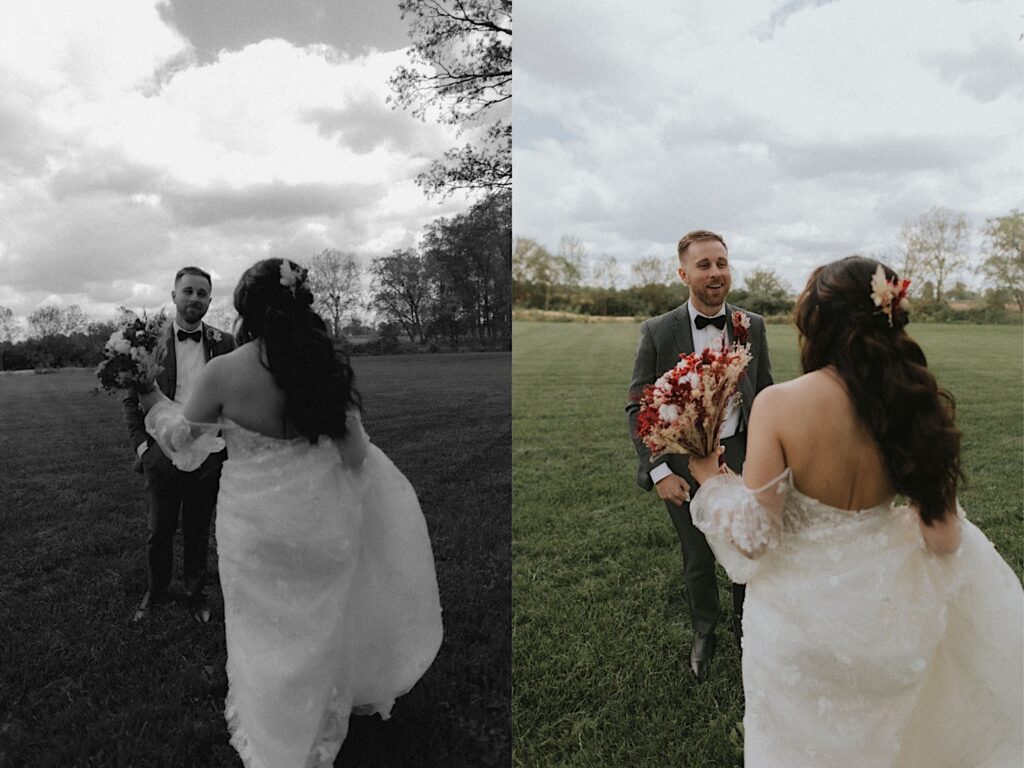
[828, 448]
[250, 397]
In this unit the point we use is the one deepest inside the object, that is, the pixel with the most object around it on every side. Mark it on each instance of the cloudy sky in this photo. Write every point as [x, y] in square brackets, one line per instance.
[137, 137]
[804, 130]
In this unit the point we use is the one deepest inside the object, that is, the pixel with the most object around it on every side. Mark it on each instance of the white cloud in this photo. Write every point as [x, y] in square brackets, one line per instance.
[802, 145]
[123, 157]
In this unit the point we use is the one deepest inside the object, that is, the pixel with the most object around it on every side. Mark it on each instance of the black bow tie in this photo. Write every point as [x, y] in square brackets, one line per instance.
[701, 322]
[198, 335]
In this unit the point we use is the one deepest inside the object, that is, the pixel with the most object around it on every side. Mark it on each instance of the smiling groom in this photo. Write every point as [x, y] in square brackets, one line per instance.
[702, 322]
[190, 344]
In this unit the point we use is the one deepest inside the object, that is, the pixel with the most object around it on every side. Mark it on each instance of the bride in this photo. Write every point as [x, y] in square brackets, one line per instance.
[330, 595]
[874, 634]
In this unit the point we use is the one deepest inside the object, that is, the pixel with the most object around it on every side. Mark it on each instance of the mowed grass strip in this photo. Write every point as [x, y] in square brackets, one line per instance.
[601, 633]
[81, 685]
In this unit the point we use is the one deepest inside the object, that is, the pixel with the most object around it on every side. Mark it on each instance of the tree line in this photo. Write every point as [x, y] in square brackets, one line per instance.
[933, 252]
[567, 281]
[450, 292]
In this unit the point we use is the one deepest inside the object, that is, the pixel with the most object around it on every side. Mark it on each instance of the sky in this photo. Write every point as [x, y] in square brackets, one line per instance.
[139, 137]
[802, 130]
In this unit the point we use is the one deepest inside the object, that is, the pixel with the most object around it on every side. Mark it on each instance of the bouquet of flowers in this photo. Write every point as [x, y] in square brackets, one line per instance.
[133, 353]
[683, 411]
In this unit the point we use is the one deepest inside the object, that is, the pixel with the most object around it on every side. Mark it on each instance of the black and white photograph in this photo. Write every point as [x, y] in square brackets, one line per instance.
[255, 393]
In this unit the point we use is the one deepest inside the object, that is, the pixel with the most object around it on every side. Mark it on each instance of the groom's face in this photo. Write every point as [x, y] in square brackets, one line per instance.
[705, 270]
[191, 297]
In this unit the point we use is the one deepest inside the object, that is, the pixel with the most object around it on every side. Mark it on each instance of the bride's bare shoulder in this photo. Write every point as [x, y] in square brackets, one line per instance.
[238, 368]
[795, 394]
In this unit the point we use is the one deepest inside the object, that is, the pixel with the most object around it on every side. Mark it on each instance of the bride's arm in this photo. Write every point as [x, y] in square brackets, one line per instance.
[353, 448]
[206, 402]
[765, 460]
[942, 536]
[187, 434]
[740, 520]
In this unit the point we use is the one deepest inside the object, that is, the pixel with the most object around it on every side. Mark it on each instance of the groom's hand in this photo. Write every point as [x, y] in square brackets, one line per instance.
[673, 488]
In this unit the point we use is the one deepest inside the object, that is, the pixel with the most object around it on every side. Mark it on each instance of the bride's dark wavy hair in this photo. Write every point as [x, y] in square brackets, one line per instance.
[885, 371]
[317, 380]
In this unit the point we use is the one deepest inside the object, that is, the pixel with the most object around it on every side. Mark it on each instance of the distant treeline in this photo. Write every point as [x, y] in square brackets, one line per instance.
[653, 299]
[634, 301]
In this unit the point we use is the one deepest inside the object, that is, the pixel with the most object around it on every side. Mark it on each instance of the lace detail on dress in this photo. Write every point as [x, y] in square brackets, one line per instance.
[811, 518]
[740, 524]
[330, 595]
[178, 438]
[253, 446]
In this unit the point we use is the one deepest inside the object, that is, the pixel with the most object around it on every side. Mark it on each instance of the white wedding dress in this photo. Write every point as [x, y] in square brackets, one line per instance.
[330, 595]
[860, 646]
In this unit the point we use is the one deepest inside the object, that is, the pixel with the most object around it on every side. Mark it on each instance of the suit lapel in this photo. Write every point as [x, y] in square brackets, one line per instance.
[206, 341]
[682, 331]
[170, 372]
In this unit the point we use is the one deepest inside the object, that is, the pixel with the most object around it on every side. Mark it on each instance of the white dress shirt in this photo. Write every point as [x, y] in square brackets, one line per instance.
[190, 359]
[708, 336]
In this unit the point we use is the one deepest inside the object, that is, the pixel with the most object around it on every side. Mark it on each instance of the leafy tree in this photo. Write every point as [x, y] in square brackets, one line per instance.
[75, 320]
[650, 271]
[51, 320]
[533, 267]
[960, 292]
[1004, 249]
[468, 258]
[402, 290]
[335, 279]
[356, 327]
[8, 325]
[935, 246]
[605, 271]
[767, 293]
[461, 60]
[48, 320]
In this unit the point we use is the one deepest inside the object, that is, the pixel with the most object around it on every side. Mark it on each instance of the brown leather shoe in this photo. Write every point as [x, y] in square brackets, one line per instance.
[701, 653]
[199, 608]
[149, 600]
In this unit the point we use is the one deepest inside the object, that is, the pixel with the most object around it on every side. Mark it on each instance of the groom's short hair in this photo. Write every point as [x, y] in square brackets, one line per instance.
[696, 236]
[193, 271]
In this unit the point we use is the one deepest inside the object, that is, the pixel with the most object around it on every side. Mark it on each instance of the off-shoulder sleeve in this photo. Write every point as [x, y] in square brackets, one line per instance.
[185, 443]
[740, 524]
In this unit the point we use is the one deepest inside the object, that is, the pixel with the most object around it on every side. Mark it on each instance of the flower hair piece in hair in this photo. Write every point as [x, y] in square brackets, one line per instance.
[887, 295]
[292, 279]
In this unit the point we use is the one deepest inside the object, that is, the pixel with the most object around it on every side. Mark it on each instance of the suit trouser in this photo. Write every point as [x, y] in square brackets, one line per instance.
[193, 495]
[698, 560]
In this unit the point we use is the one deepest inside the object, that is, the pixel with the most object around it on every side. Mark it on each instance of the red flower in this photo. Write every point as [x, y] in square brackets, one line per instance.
[740, 327]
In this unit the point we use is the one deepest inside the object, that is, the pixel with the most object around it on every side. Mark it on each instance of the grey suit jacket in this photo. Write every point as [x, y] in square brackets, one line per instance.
[215, 342]
[662, 340]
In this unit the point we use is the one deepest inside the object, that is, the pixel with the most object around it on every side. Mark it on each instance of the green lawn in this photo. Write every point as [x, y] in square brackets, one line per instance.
[600, 637]
[82, 686]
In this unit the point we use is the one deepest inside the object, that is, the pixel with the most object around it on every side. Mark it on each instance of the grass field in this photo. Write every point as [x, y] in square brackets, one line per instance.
[600, 632]
[82, 686]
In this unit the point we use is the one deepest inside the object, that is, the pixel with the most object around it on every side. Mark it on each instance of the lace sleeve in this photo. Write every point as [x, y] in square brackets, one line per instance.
[740, 524]
[186, 444]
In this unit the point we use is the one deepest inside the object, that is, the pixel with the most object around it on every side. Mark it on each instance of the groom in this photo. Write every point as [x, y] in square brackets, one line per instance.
[700, 323]
[190, 343]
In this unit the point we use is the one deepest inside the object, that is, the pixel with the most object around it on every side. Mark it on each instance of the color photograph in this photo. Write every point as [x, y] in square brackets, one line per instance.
[760, 251]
